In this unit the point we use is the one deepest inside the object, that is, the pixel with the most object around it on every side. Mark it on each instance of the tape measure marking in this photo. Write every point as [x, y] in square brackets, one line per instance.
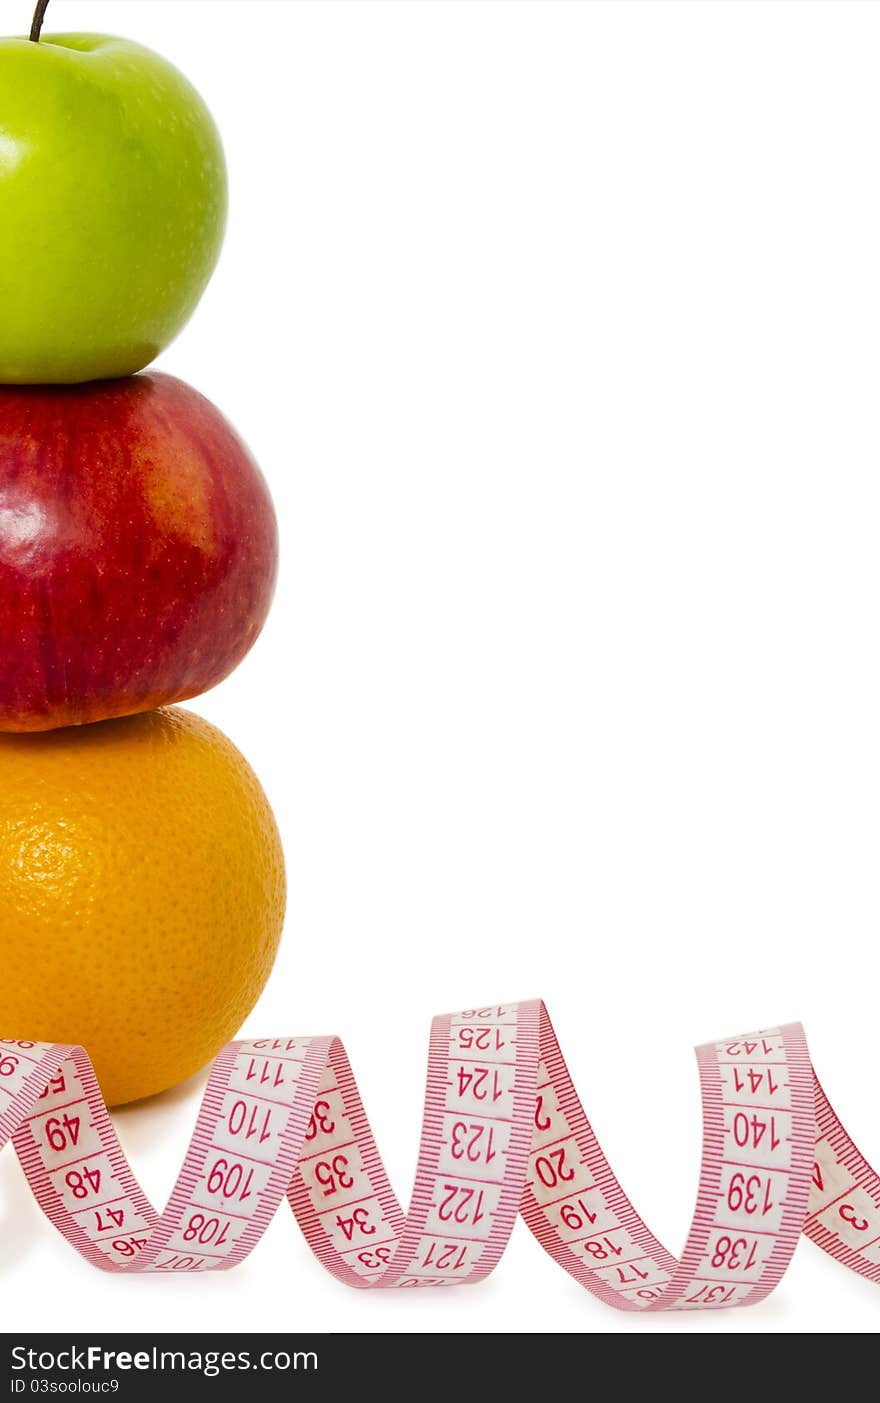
[503, 1133]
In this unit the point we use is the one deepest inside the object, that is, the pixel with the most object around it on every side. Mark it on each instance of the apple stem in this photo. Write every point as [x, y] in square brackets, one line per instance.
[39, 16]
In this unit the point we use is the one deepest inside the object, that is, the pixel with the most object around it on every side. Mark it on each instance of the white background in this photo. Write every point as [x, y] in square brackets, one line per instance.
[555, 329]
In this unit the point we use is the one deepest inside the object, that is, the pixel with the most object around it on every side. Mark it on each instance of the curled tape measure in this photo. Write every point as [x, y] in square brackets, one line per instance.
[503, 1133]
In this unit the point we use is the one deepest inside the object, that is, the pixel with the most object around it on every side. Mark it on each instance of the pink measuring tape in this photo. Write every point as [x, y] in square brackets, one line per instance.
[503, 1133]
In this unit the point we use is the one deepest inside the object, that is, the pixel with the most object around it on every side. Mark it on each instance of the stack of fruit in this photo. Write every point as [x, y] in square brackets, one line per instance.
[141, 875]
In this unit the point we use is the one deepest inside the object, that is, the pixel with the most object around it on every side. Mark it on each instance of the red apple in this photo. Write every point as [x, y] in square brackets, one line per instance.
[138, 549]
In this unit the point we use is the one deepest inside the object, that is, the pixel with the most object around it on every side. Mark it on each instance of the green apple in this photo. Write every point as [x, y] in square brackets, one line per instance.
[112, 206]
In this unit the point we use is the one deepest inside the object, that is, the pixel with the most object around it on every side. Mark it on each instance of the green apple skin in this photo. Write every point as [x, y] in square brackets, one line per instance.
[112, 206]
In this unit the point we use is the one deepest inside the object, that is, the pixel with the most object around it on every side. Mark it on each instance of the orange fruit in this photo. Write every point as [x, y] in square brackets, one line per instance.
[141, 894]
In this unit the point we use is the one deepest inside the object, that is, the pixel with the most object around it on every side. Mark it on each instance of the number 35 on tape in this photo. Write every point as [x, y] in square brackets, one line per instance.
[503, 1133]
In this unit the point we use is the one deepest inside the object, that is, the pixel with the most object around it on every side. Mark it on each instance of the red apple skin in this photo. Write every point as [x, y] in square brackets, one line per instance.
[138, 549]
